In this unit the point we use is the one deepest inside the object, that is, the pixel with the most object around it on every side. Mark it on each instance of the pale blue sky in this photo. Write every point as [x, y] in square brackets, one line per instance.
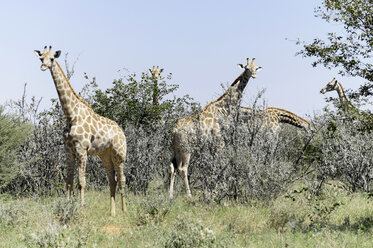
[200, 42]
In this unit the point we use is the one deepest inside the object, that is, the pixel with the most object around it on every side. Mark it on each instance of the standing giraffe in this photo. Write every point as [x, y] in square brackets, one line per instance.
[345, 104]
[155, 72]
[87, 133]
[272, 118]
[207, 120]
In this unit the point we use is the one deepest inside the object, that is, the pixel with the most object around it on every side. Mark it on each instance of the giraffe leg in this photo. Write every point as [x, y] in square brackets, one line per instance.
[183, 169]
[122, 182]
[113, 185]
[81, 155]
[70, 160]
[118, 161]
[172, 177]
[110, 172]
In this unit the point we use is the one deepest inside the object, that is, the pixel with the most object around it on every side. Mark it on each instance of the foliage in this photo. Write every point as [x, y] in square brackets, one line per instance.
[130, 101]
[9, 214]
[42, 172]
[320, 208]
[188, 234]
[346, 154]
[248, 161]
[349, 49]
[66, 210]
[154, 207]
[13, 134]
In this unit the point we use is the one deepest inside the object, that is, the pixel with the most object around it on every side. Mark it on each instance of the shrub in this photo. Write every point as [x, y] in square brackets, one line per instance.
[43, 154]
[66, 210]
[13, 133]
[9, 214]
[130, 101]
[51, 236]
[152, 208]
[346, 153]
[248, 161]
[186, 233]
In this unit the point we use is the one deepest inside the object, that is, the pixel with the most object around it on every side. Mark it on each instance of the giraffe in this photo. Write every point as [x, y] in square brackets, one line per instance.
[86, 133]
[272, 118]
[207, 120]
[155, 72]
[345, 104]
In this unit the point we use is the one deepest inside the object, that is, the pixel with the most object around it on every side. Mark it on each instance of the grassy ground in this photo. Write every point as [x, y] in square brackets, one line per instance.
[335, 219]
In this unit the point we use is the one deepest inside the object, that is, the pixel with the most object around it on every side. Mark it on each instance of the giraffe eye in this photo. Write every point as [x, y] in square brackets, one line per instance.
[52, 59]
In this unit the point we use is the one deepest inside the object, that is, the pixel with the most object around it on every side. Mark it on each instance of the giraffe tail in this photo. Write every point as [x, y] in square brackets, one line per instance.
[285, 116]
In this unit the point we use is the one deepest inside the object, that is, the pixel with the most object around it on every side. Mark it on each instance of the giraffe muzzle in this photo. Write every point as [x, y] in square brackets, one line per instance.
[43, 67]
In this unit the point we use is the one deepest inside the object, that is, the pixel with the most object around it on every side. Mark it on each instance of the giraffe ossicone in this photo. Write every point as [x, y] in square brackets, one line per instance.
[87, 133]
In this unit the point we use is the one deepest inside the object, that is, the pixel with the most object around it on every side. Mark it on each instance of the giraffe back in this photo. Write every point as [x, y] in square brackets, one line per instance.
[285, 116]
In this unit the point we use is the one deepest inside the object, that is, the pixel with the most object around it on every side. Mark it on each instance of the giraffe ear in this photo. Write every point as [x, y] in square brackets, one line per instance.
[241, 66]
[161, 71]
[151, 72]
[259, 68]
[38, 53]
[57, 54]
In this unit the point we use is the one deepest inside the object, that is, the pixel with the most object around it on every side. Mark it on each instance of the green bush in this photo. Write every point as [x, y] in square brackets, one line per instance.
[13, 133]
[130, 101]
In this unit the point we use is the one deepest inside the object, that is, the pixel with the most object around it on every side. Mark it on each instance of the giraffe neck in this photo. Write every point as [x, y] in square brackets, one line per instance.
[68, 97]
[232, 95]
[341, 93]
[345, 103]
[237, 87]
[155, 91]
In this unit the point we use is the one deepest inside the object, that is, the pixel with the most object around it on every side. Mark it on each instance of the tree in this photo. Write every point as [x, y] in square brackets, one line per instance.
[350, 49]
[130, 100]
[13, 133]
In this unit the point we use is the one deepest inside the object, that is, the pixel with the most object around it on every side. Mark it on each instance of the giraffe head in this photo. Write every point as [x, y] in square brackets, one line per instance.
[250, 68]
[155, 72]
[332, 85]
[47, 57]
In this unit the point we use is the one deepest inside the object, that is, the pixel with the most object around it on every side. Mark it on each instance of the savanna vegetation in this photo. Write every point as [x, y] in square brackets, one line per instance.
[294, 188]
